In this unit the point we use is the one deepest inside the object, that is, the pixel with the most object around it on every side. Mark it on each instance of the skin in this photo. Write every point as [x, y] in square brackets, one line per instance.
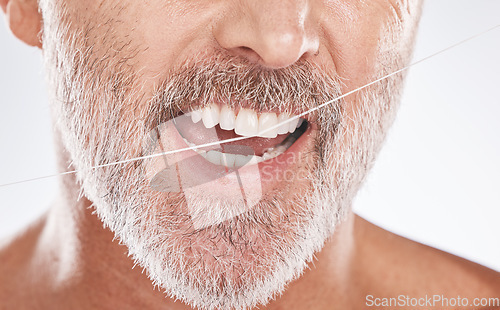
[67, 260]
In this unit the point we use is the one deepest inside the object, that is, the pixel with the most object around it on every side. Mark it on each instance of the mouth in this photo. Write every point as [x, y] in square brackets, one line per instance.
[236, 175]
[268, 134]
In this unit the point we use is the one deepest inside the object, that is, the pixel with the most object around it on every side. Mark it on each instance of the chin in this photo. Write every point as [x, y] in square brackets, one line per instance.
[211, 247]
[238, 263]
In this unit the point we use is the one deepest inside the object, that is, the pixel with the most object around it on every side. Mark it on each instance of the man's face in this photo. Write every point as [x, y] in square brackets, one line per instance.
[225, 225]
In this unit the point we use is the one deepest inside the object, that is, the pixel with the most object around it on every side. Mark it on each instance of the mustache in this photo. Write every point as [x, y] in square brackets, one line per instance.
[236, 82]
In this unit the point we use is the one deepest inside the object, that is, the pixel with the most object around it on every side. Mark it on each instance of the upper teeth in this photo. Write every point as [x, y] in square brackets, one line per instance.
[247, 122]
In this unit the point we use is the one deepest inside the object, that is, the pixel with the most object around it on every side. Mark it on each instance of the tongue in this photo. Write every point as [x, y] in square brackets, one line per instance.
[198, 134]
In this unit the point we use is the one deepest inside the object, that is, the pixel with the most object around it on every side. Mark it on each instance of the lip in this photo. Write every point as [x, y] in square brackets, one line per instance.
[194, 176]
[284, 161]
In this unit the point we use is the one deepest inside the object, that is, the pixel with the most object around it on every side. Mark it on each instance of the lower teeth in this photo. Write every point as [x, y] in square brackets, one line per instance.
[238, 160]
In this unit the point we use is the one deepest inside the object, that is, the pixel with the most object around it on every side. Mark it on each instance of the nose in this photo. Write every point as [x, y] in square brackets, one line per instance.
[273, 33]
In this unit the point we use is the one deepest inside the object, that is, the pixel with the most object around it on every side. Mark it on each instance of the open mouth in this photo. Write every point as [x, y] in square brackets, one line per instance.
[268, 136]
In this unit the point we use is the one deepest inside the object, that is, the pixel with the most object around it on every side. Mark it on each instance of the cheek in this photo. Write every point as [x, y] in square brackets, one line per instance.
[148, 38]
[124, 40]
[354, 31]
[168, 34]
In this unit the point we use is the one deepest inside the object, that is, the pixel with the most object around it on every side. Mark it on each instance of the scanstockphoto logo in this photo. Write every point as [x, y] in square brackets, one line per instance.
[229, 171]
[287, 175]
[436, 301]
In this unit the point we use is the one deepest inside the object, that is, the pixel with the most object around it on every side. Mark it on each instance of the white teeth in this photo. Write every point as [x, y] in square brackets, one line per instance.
[227, 118]
[240, 160]
[210, 116]
[301, 120]
[214, 157]
[283, 128]
[266, 156]
[228, 159]
[247, 123]
[237, 160]
[196, 116]
[266, 121]
[292, 125]
[254, 159]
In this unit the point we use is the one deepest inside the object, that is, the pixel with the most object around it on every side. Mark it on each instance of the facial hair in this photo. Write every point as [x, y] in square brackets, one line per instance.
[104, 117]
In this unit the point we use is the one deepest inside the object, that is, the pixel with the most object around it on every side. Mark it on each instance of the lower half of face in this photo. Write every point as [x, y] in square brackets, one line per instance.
[217, 224]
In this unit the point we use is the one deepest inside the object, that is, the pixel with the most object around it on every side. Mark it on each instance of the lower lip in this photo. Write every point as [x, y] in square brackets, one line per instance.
[194, 171]
[292, 157]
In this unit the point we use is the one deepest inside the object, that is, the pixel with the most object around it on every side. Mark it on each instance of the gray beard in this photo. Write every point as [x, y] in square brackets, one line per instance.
[177, 257]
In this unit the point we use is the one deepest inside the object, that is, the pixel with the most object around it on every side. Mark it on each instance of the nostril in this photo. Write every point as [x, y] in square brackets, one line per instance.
[246, 52]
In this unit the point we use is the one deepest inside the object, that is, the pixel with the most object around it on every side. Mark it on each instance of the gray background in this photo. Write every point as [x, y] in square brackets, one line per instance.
[436, 181]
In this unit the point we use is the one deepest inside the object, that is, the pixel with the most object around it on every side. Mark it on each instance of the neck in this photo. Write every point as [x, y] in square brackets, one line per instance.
[86, 267]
